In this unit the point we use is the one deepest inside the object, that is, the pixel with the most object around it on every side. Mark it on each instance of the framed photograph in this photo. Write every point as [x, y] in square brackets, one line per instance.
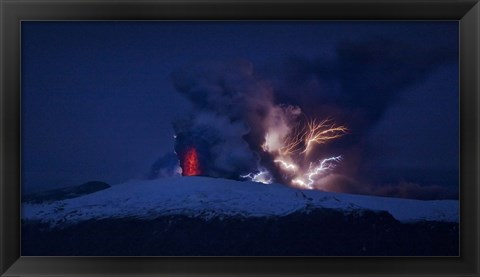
[240, 138]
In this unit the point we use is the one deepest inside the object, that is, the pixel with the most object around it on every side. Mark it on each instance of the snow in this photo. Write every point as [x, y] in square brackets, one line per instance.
[210, 197]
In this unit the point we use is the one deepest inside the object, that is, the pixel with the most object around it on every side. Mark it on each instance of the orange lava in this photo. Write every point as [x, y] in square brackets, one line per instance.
[191, 166]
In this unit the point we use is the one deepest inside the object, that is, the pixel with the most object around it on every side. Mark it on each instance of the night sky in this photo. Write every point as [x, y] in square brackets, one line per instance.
[99, 99]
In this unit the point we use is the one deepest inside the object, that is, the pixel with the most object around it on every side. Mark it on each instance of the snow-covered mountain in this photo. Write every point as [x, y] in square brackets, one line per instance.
[207, 198]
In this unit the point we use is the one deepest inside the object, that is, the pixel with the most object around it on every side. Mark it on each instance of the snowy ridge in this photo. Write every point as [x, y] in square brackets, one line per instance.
[209, 197]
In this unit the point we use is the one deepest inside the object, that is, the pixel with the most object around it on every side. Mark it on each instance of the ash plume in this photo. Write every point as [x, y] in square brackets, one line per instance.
[230, 107]
[241, 116]
[356, 87]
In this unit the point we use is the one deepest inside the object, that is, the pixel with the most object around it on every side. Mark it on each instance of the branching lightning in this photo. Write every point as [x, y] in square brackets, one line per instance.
[314, 172]
[301, 139]
[321, 133]
[292, 152]
[324, 166]
[293, 141]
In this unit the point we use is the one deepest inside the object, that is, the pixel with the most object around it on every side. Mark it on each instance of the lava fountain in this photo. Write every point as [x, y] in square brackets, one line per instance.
[190, 164]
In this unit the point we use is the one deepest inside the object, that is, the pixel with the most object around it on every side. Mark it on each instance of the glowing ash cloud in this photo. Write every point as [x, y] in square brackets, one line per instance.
[291, 148]
[278, 125]
[301, 139]
[263, 176]
[240, 131]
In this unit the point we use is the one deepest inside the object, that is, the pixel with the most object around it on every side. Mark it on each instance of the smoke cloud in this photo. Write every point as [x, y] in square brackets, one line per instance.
[226, 124]
[356, 87]
[342, 184]
[166, 166]
[241, 116]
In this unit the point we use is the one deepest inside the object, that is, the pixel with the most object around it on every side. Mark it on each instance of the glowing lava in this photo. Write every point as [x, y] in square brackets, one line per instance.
[191, 166]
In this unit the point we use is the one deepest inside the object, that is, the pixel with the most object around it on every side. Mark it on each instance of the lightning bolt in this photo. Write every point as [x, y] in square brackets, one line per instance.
[293, 141]
[288, 166]
[291, 151]
[300, 183]
[321, 132]
[314, 172]
[263, 176]
[325, 165]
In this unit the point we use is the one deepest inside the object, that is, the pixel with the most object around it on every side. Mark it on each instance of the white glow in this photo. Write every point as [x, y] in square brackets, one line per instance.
[263, 176]
[273, 142]
[325, 165]
[307, 180]
[286, 165]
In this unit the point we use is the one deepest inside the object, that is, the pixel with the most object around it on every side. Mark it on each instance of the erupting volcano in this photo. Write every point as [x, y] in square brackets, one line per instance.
[190, 164]
[239, 130]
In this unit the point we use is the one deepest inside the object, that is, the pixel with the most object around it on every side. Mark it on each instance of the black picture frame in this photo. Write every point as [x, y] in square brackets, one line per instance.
[14, 11]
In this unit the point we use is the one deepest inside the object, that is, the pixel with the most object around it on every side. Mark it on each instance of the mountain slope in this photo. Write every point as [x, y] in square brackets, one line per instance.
[209, 198]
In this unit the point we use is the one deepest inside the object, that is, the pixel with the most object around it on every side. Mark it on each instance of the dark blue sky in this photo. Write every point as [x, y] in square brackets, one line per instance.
[98, 98]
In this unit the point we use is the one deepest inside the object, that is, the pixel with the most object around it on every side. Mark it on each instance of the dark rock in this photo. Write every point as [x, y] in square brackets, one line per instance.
[65, 193]
[320, 232]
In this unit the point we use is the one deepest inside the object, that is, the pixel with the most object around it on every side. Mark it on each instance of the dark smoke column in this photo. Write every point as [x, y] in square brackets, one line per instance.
[225, 125]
